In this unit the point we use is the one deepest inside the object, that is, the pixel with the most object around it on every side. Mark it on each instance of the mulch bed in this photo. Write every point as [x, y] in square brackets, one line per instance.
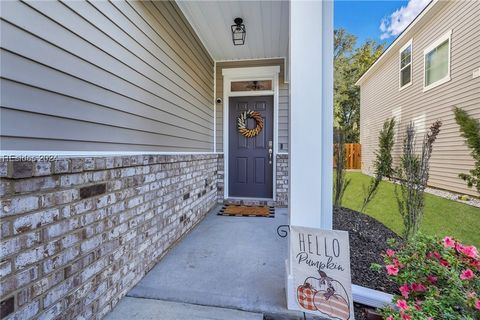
[367, 242]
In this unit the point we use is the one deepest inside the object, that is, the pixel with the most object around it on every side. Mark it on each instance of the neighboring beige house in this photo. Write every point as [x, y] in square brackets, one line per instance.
[431, 67]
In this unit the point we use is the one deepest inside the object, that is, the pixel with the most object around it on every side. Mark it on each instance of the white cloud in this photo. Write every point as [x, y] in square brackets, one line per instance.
[396, 22]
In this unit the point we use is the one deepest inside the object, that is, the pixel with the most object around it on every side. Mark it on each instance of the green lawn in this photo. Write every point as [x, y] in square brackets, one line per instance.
[442, 216]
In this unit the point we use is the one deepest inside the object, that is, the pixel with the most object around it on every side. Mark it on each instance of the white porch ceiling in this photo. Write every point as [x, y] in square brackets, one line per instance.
[266, 23]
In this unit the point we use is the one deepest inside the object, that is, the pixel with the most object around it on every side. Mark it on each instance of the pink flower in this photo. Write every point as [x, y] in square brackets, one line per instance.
[432, 279]
[459, 247]
[418, 287]
[418, 304]
[429, 318]
[477, 304]
[434, 254]
[448, 242]
[476, 264]
[402, 304]
[390, 253]
[471, 294]
[397, 263]
[389, 318]
[470, 251]
[466, 274]
[404, 290]
[406, 317]
[444, 263]
[391, 270]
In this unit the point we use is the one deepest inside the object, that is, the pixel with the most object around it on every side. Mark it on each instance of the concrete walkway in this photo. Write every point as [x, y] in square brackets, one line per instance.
[226, 262]
[147, 309]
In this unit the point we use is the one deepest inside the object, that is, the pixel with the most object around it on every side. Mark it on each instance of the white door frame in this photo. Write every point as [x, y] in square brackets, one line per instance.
[249, 74]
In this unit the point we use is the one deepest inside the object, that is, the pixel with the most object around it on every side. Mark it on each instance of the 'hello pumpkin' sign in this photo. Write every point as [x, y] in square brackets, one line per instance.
[321, 272]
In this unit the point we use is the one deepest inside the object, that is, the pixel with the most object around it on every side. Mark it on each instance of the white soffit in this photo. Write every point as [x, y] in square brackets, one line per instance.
[266, 23]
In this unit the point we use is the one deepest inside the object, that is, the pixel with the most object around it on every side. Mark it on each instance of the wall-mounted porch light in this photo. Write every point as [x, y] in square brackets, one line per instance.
[238, 32]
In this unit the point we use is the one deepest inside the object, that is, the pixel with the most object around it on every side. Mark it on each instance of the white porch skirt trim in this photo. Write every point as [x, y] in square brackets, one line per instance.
[370, 297]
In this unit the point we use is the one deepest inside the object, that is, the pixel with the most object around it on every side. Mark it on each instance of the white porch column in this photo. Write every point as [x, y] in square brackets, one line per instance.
[311, 120]
[311, 113]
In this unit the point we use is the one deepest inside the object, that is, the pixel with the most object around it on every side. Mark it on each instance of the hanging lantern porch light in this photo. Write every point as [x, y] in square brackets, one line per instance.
[238, 32]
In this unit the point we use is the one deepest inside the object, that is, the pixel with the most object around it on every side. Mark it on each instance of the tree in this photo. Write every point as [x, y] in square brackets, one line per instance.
[470, 129]
[413, 176]
[350, 63]
[344, 43]
[383, 161]
[341, 182]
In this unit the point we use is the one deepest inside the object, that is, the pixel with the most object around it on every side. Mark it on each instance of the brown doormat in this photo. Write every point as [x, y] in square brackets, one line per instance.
[247, 211]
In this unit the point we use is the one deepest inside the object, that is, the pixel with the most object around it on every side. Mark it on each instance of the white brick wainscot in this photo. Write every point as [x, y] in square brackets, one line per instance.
[78, 233]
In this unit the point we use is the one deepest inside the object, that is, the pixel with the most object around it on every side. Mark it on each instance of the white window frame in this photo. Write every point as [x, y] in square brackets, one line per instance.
[408, 44]
[434, 45]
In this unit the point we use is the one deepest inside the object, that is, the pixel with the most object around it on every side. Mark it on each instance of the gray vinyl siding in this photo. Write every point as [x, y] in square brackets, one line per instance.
[103, 76]
[283, 97]
[381, 97]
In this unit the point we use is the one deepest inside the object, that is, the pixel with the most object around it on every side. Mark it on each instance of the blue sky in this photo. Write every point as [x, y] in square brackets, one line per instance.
[364, 18]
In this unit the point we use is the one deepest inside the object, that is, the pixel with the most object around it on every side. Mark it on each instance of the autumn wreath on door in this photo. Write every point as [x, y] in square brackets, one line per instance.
[242, 123]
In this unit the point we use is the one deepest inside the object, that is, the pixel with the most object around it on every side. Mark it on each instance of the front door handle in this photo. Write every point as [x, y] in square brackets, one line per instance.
[270, 151]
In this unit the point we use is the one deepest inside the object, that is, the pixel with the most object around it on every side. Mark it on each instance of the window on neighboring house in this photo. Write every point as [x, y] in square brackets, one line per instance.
[437, 62]
[406, 65]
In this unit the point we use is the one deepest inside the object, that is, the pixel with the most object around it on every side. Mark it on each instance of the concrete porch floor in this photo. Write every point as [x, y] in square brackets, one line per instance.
[225, 262]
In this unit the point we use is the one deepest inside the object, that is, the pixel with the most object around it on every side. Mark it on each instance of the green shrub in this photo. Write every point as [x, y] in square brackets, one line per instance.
[413, 176]
[383, 161]
[438, 279]
[470, 129]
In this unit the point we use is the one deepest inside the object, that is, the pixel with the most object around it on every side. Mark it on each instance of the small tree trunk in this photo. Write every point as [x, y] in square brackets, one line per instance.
[341, 182]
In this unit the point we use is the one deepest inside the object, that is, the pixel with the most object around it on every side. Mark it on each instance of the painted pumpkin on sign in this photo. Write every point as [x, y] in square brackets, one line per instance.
[333, 305]
[325, 295]
[305, 295]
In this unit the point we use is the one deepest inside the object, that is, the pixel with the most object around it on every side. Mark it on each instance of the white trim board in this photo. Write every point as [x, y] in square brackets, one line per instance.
[370, 297]
[251, 73]
[249, 59]
[214, 106]
[285, 63]
[61, 153]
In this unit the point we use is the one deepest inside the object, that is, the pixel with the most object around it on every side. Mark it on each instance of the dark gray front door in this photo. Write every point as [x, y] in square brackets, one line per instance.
[250, 166]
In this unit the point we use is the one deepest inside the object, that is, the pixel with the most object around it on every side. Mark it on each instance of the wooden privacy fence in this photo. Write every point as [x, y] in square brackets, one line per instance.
[353, 156]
